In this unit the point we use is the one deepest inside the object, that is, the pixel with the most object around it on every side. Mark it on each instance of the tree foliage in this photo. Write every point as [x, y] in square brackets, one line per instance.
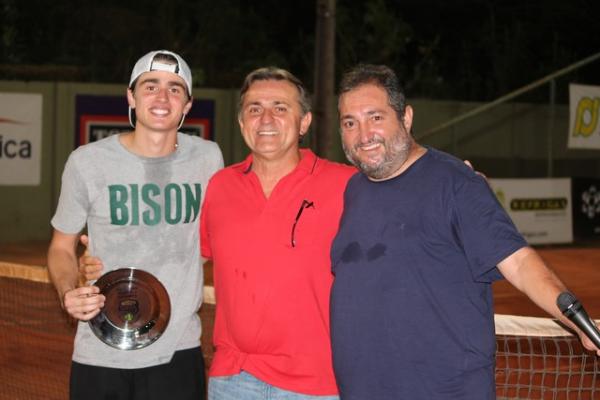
[464, 49]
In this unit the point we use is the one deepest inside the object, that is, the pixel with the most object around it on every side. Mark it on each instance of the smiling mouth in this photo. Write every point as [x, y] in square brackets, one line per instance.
[159, 112]
[369, 146]
[267, 133]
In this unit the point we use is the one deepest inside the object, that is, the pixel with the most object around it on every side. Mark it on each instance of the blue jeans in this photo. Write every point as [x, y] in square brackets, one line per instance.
[246, 387]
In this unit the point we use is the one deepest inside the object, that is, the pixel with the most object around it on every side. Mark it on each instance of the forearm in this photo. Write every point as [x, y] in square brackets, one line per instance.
[62, 263]
[81, 302]
[527, 272]
[62, 268]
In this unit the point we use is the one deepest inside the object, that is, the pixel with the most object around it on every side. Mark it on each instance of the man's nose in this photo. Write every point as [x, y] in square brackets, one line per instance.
[365, 132]
[162, 94]
[266, 117]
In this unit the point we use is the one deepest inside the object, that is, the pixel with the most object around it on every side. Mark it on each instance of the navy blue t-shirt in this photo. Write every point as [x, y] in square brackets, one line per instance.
[411, 304]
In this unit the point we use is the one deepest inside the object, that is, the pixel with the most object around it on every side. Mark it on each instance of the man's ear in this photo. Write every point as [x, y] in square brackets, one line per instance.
[188, 106]
[408, 118]
[130, 98]
[305, 123]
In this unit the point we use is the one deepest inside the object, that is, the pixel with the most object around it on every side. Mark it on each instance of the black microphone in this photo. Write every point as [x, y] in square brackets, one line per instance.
[572, 309]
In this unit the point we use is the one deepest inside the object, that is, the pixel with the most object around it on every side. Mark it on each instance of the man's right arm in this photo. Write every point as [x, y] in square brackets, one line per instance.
[83, 302]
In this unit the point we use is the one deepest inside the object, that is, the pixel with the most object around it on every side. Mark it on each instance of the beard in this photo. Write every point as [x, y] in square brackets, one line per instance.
[397, 149]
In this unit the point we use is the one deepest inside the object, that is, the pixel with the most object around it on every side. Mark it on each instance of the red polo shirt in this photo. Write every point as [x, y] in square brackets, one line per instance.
[272, 314]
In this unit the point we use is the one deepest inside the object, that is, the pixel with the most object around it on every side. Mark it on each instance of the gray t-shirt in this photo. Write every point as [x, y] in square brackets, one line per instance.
[142, 213]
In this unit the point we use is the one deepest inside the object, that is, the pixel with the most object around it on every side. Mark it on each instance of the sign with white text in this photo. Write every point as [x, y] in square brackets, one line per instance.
[540, 208]
[20, 138]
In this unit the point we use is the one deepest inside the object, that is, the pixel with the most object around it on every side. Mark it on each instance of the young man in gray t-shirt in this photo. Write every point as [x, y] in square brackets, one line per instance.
[139, 195]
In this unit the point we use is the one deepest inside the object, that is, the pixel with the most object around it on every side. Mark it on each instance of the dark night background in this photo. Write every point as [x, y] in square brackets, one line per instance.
[465, 50]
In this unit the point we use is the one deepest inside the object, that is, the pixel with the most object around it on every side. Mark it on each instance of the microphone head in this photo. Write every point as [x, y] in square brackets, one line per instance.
[565, 301]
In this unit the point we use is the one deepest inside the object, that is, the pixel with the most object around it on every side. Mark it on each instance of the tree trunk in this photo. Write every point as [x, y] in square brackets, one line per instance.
[323, 99]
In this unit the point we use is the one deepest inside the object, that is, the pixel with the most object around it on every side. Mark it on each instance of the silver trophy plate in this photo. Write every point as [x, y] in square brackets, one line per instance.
[136, 311]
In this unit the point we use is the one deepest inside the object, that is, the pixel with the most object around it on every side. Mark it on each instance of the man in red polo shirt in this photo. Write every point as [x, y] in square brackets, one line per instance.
[267, 224]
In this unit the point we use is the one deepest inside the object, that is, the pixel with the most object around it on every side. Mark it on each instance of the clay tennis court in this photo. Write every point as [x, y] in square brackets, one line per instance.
[36, 336]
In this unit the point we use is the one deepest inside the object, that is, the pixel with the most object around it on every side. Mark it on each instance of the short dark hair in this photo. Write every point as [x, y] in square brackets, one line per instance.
[379, 75]
[275, 74]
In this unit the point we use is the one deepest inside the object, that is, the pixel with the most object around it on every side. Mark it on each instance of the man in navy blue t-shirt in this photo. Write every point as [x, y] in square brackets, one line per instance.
[421, 240]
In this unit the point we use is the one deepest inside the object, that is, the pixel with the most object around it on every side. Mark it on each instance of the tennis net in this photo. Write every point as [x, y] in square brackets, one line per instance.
[36, 337]
[536, 358]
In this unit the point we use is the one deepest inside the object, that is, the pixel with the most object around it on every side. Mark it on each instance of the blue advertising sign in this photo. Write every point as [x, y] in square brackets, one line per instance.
[97, 117]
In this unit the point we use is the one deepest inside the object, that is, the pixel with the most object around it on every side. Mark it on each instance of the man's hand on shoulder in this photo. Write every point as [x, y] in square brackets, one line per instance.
[477, 172]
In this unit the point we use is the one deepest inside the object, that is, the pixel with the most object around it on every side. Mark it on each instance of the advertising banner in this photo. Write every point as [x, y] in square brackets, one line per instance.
[97, 117]
[20, 138]
[540, 208]
[586, 207]
[584, 124]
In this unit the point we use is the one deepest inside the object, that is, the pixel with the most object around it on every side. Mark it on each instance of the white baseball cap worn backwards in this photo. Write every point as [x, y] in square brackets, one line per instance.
[148, 63]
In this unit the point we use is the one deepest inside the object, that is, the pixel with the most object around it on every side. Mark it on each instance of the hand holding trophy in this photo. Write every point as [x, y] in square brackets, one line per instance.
[137, 307]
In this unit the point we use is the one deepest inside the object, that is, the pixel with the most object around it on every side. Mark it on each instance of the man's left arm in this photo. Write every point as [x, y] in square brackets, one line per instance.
[526, 270]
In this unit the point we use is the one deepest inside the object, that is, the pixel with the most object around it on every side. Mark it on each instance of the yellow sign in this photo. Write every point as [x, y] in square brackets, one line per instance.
[584, 115]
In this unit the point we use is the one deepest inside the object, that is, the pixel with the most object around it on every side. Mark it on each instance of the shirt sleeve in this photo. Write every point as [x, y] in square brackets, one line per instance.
[485, 230]
[73, 203]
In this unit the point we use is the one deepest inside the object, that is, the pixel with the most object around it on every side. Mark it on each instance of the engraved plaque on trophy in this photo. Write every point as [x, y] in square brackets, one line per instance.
[136, 311]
